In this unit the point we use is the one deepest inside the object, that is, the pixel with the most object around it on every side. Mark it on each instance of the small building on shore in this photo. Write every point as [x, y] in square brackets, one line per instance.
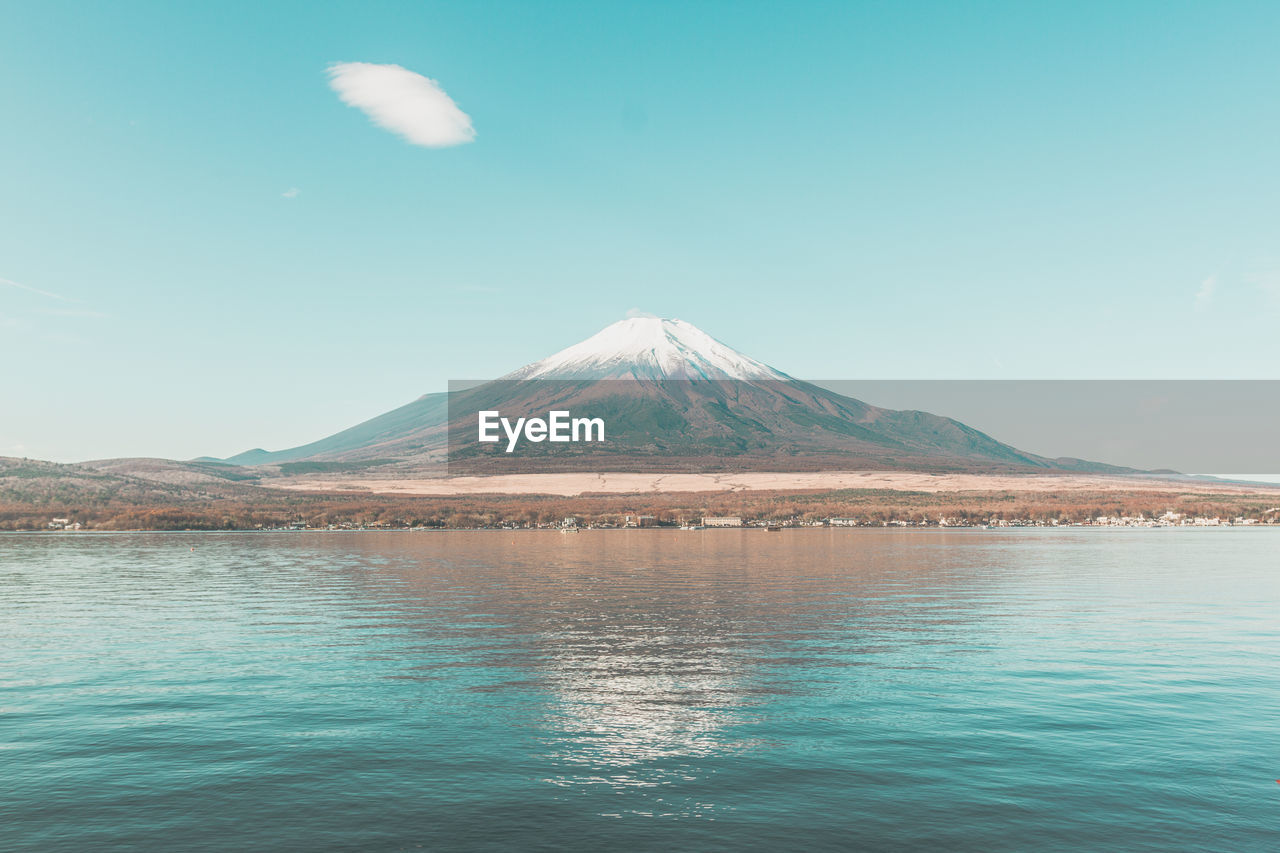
[721, 521]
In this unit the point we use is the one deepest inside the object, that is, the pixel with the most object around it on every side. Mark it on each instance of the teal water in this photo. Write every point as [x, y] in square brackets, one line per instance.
[649, 690]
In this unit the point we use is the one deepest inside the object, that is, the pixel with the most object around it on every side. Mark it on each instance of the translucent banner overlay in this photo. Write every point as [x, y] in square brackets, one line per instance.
[1189, 427]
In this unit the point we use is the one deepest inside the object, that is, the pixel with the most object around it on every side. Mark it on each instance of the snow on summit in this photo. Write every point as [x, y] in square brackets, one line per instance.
[648, 348]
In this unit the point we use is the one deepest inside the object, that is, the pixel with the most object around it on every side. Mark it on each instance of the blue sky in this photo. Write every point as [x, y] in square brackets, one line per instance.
[203, 249]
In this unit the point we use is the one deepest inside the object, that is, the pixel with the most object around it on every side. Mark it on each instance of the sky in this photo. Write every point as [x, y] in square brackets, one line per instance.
[237, 225]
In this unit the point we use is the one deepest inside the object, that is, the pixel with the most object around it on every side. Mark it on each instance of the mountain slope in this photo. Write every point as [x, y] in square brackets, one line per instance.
[414, 427]
[716, 425]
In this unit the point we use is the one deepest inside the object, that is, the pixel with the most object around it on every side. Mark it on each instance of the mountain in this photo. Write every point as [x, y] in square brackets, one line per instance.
[637, 348]
[675, 399]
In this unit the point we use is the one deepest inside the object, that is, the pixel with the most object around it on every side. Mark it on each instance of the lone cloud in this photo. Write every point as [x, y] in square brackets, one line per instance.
[405, 103]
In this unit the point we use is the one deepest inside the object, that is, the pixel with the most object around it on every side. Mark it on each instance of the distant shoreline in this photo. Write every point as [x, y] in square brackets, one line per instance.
[862, 528]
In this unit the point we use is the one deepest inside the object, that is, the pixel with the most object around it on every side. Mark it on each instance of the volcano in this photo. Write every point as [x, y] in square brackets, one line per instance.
[676, 399]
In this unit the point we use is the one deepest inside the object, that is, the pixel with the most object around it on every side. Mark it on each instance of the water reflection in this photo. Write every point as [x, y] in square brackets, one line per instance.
[649, 652]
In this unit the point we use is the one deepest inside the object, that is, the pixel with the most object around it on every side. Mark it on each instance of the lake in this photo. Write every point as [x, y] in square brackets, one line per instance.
[1073, 689]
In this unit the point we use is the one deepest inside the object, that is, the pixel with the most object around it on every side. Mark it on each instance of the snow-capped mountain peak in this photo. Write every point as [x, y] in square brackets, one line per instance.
[648, 348]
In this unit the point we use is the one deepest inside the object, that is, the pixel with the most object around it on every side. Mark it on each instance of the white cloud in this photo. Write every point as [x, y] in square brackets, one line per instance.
[30, 289]
[292, 192]
[636, 313]
[72, 312]
[405, 103]
[1204, 296]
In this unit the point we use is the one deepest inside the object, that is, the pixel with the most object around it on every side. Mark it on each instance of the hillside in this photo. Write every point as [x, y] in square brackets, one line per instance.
[124, 481]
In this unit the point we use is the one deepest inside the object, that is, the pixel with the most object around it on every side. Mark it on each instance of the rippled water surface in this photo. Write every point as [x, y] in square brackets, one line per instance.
[665, 690]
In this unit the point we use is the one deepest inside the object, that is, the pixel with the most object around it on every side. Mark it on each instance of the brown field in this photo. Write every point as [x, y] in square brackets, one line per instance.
[624, 483]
